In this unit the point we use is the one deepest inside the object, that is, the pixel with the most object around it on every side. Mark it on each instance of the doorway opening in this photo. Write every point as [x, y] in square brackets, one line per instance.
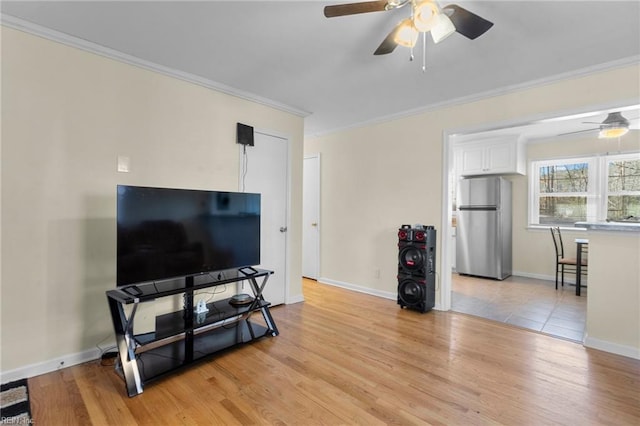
[311, 217]
[550, 128]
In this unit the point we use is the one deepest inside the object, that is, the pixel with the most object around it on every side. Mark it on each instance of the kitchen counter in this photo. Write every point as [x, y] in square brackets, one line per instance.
[610, 226]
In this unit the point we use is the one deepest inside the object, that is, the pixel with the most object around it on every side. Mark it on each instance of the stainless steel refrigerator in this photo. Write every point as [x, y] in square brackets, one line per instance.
[483, 227]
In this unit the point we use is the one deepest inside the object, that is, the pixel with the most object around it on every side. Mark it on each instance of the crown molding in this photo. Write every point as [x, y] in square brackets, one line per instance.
[582, 72]
[68, 40]
[56, 36]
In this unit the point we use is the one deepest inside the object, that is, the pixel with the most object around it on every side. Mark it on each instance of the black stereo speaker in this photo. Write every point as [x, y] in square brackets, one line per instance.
[416, 267]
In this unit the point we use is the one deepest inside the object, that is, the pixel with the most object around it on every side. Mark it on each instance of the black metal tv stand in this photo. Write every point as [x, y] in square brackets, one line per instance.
[184, 337]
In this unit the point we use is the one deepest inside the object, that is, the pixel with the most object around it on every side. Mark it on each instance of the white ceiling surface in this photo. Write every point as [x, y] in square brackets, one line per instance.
[289, 53]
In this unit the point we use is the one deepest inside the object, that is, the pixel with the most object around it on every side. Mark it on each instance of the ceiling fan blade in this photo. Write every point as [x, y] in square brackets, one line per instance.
[354, 8]
[579, 131]
[467, 23]
[389, 43]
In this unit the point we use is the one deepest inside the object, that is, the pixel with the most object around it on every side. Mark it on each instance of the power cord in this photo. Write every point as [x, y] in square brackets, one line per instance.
[108, 359]
[245, 166]
[108, 353]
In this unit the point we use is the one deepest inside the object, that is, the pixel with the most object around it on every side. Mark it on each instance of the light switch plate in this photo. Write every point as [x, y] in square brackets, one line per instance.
[123, 164]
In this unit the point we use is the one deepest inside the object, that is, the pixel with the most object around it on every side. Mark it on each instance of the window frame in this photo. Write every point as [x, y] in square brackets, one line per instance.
[597, 186]
[605, 160]
[535, 193]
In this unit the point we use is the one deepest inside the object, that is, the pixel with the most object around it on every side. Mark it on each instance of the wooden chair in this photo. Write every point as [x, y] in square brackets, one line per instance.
[565, 264]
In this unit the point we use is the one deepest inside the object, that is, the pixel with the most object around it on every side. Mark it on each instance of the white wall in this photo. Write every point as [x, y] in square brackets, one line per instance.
[66, 116]
[613, 305]
[377, 177]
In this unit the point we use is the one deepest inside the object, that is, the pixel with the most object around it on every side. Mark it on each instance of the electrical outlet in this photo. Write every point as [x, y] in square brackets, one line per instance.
[376, 273]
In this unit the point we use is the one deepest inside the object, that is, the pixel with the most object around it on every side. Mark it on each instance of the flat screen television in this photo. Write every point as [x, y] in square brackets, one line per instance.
[165, 233]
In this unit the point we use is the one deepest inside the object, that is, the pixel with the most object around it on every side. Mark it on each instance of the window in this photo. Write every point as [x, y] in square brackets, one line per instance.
[623, 187]
[563, 192]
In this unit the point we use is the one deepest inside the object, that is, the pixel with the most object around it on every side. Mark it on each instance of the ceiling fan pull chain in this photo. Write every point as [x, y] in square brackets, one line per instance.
[424, 52]
[411, 47]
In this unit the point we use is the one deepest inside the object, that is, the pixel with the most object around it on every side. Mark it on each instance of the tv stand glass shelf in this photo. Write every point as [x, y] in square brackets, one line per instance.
[184, 337]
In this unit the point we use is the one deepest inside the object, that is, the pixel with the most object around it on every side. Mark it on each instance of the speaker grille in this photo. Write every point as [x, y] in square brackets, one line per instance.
[412, 257]
[411, 292]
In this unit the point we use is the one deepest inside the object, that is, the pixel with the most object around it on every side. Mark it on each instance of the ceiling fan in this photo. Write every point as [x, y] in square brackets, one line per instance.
[426, 16]
[614, 126]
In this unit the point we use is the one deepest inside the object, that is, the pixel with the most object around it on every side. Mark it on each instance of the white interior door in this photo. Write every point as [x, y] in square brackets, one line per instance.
[311, 218]
[263, 170]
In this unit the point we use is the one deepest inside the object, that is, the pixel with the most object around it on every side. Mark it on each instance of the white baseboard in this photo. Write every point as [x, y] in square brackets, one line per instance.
[359, 288]
[294, 299]
[49, 366]
[552, 278]
[535, 276]
[568, 279]
[614, 348]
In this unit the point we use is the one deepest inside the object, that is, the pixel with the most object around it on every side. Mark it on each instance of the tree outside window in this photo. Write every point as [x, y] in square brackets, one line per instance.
[563, 192]
[623, 189]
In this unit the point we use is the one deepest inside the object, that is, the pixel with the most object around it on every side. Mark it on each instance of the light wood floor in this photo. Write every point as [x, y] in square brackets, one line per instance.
[347, 358]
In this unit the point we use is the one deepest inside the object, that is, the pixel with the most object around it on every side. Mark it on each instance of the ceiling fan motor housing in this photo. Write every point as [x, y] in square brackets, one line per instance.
[614, 126]
[615, 119]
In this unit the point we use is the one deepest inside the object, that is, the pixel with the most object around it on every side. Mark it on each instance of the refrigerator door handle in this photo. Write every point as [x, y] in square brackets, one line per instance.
[476, 208]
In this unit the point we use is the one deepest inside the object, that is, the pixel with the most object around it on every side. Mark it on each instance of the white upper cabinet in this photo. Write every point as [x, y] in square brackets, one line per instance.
[490, 157]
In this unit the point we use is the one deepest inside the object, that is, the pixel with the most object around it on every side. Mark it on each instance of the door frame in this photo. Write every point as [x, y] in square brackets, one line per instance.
[443, 302]
[318, 203]
[287, 259]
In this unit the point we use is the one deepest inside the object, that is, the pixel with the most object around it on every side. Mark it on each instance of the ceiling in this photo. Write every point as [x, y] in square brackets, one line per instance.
[287, 54]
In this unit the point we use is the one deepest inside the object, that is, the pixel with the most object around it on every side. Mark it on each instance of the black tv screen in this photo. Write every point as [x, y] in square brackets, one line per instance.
[168, 233]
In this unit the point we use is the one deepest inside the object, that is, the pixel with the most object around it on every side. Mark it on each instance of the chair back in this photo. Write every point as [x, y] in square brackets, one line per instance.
[557, 242]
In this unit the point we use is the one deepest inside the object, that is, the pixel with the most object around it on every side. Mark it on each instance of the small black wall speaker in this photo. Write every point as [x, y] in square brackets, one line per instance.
[244, 134]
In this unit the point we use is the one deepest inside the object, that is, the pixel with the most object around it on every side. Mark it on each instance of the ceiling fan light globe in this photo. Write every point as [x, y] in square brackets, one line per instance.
[443, 28]
[407, 34]
[426, 16]
[612, 132]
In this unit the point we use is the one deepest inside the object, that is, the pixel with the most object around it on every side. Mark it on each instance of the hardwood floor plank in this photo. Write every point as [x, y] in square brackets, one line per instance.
[60, 390]
[101, 400]
[346, 358]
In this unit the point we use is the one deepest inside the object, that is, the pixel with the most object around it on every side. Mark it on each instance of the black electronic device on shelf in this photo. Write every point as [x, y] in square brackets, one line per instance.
[242, 299]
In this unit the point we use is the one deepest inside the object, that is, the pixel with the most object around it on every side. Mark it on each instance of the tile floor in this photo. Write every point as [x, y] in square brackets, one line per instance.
[524, 302]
